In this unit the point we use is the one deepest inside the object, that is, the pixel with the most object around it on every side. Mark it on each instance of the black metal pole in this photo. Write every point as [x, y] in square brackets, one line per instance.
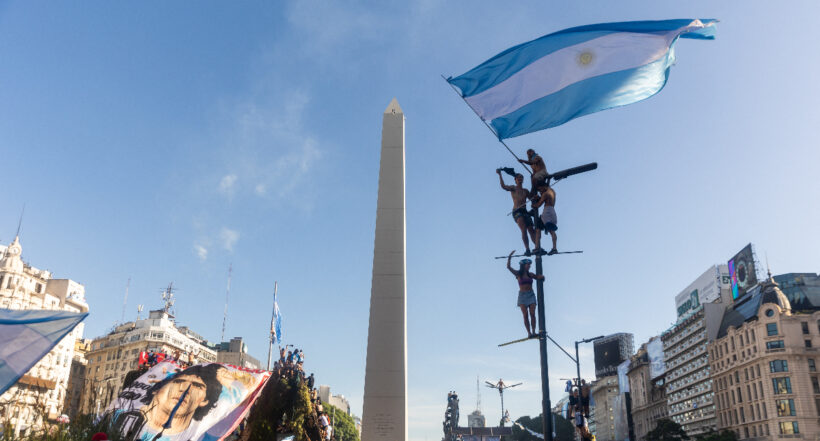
[578, 368]
[501, 391]
[546, 405]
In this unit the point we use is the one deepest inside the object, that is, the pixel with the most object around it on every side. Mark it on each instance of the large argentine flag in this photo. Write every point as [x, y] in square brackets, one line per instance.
[26, 336]
[548, 81]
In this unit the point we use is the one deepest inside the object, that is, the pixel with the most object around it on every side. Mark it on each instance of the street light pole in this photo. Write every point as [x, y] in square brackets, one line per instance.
[546, 405]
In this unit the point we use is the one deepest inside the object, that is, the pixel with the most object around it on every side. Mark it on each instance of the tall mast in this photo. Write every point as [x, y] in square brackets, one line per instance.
[227, 293]
[125, 299]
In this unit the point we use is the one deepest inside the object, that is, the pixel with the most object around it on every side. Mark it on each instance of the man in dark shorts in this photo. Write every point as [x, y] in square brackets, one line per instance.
[520, 215]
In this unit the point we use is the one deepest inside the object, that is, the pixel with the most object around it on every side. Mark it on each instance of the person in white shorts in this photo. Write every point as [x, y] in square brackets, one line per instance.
[548, 221]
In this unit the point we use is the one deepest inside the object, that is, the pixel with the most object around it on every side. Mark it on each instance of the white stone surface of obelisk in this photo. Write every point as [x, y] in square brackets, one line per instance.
[384, 416]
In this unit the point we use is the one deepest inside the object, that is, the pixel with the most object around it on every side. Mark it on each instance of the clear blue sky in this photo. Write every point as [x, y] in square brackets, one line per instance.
[162, 142]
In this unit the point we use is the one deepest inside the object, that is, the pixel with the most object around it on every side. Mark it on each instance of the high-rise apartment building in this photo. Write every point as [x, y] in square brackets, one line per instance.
[39, 395]
[764, 361]
[690, 397]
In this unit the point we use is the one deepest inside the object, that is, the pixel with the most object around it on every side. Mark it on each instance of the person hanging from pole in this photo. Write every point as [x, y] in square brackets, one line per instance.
[539, 171]
[526, 296]
[585, 390]
[548, 221]
[520, 214]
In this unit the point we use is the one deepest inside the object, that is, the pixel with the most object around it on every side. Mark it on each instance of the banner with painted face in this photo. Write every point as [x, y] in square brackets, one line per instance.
[204, 402]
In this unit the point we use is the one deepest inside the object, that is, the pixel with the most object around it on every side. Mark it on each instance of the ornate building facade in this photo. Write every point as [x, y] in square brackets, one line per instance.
[39, 395]
[764, 366]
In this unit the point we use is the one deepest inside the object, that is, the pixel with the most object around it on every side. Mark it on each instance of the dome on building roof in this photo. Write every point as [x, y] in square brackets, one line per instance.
[770, 293]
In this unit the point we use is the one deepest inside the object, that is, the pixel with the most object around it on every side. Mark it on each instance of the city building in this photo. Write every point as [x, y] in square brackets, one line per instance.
[39, 395]
[338, 401]
[648, 392]
[606, 397]
[700, 307]
[235, 352]
[113, 355]
[76, 379]
[764, 361]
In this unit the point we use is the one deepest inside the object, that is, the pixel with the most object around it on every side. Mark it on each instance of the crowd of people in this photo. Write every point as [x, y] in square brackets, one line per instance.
[290, 365]
[578, 410]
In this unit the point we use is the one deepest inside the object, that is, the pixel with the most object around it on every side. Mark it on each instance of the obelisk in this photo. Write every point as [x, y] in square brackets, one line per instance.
[384, 417]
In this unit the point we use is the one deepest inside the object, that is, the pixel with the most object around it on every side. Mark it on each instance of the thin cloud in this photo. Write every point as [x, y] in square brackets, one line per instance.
[227, 184]
[201, 252]
[228, 238]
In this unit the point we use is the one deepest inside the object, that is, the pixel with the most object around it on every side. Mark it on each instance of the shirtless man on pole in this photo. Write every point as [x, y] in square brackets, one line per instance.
[520, 215]
[548, 221]
[539, 171]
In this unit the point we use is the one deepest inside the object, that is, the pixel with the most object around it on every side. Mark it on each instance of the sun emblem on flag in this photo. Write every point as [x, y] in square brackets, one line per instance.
[585, 58]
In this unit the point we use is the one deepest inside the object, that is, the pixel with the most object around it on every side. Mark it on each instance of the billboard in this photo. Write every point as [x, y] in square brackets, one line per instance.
[705, 289]
[654, 351]
[742, 271]
[610, 352]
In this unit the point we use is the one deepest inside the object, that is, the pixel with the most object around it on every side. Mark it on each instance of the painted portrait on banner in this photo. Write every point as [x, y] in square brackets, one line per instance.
[204, 402]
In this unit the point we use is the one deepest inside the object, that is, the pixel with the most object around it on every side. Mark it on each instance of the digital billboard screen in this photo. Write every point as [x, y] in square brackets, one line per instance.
[607, 357]
[742, 271]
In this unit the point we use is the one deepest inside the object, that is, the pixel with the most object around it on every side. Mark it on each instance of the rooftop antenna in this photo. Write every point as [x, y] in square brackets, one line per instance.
[227, 293]
[139, 311]
[768, 270]
[125, 299]
[168, 299]
[20, 222]
[478, 396]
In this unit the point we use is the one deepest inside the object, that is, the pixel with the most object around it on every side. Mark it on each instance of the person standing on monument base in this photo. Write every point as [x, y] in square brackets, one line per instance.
[519, 213]
[526, 296]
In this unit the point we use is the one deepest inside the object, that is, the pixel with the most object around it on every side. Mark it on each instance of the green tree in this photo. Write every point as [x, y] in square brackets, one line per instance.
[344, 428]
[667, 430]
[724, 435]
[564, 429]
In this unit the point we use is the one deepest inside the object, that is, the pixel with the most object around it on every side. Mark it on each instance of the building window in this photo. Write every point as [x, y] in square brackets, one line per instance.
[777, 344]
[815, 385]
[783, 385]
[739, 396]
[769, 312]
[745, 429]
[807, 343]
[805, 326]
[778, 366]
[817, 405]
[771, 329]
[754, 388]
[785, 407]
[788, 428]
[812, 366]
[753, 335]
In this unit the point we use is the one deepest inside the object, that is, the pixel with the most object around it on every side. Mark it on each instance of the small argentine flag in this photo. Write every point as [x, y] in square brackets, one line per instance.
[548, 81]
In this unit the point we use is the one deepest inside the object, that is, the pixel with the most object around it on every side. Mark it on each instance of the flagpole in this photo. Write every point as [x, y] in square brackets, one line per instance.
[487, 125]
[272, 323]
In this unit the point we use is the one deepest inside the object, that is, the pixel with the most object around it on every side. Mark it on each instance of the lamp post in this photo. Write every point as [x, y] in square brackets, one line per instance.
[578, 360]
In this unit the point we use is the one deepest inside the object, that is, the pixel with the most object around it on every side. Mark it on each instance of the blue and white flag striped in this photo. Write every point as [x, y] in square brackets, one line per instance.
[548, 81]
[276, 329]
[26, 336]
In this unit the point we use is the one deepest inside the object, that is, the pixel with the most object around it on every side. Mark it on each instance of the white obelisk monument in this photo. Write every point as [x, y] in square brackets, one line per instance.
[384, 417]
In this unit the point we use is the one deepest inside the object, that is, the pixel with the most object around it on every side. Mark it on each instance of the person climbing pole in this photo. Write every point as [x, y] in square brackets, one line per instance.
[526, 296]
[520, 215]
[548, 220]
[539, 171]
